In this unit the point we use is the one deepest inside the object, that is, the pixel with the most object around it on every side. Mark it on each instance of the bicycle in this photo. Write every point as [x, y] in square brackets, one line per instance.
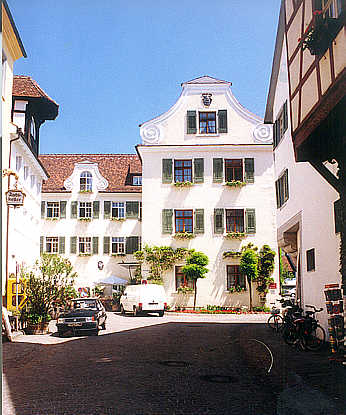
[275, 321]
[305, 331]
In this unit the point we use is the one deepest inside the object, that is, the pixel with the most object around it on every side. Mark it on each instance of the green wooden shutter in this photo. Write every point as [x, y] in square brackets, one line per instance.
[132, 209]
[73, 244]
[132, 244]
[222, 121]
[250, 220]
[167, 221]
[96, 209]
[199, 221]
[277, 191]
[41, 244]
[338, 216]
[63, 209]
[106, 244]
[43, 210]
[198, 176]
[95, 245]
[286, 188]
[285, 117]
[191, 122]
[106, 209]
[167, 170]
[61, 244]
[249, 170]
[217, 170]
[74, 207]
[275, 134]
[140, 211]
[219, 221]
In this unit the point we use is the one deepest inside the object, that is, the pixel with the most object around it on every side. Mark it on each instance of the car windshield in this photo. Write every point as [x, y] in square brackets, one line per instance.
[84, 304]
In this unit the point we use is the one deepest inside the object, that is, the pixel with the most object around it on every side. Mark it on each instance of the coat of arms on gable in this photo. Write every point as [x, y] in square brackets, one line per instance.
[206, 99]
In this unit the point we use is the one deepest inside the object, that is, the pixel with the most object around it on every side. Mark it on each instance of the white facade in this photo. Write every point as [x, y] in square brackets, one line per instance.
[306, 219]
[98, 262]
[242, 136]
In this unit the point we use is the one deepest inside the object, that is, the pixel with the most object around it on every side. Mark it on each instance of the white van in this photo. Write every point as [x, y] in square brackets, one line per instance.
[144, 298]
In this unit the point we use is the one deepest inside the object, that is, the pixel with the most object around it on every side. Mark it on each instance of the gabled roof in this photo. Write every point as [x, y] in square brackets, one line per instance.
[206, 80]
[26, 87]
[118, 169]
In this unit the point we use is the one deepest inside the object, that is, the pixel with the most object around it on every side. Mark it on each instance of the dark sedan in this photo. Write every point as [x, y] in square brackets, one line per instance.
[84, 314]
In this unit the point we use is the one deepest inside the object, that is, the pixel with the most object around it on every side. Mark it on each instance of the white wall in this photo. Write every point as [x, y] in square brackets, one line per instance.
[311, 197]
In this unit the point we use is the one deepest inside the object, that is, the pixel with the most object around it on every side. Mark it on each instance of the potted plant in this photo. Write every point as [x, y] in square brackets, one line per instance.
[50, 282]
[184, 235]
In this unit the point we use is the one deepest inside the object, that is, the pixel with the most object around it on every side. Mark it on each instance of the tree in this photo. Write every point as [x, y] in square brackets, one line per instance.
[195, 269]
[50, 281]
[265, 268]
[160, 259]
[249, 266]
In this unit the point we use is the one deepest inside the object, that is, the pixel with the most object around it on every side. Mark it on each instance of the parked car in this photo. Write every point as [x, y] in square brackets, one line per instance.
[84, 314]
[144, 298]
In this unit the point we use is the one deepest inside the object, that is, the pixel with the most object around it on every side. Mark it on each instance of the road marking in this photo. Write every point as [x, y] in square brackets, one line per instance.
[271, 354]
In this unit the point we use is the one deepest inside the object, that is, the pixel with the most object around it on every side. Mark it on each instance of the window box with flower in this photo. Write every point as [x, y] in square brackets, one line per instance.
[231, 254]
[183, 184]
[235, 183]
[184, 235]
[85, 219]
[235, 235]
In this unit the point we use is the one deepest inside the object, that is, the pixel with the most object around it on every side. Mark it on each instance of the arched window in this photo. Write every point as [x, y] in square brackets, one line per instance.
[86, 182]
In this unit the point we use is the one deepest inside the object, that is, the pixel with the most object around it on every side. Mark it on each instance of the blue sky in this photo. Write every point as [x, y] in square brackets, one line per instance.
[113, 64]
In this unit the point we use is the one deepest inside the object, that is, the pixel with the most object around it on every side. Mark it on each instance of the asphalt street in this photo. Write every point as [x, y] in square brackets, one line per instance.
[177, 364]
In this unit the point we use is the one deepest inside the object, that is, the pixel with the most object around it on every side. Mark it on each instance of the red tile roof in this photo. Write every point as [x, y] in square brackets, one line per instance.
[118, 169]
[25, 86]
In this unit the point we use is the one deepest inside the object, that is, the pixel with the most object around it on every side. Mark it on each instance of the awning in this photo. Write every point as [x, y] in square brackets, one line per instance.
[112, 280]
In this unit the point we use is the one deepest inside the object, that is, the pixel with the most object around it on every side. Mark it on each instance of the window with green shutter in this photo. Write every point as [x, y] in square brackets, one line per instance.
[74, 209]
[167, 170]
[249, 170]
[43, 210]
[95, 245]
[218, 170]
[96, 209]
[250, 220]
[222, 121]
[191, 122]
[218, 220]
[282, 190]
[106, 244]
[63, 209]
[199, 221]
[61, 244]
[132, 244]
[132, 209]
[73, 244]
[198, 176]
[167, 221]
[280, 125]
[106, 209]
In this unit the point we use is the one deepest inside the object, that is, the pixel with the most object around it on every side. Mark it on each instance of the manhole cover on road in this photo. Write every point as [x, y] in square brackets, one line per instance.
[218, 378]
[174, 363]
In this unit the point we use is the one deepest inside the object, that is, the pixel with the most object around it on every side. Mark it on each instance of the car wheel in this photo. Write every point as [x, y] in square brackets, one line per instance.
[95, 332]
[122, 310]
[161, 313]
[60, 333]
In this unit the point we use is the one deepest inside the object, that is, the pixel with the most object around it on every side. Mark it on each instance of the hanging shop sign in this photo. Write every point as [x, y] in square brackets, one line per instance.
[15, 197]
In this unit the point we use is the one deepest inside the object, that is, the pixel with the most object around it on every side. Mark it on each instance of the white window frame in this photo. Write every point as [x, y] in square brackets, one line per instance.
[86, 182]
[55, 209]
[87, 207]
[120, 206]
[84, 245]
[137, 180]
[19, 162]
[53, 242]
[26, 172]
[118, 245]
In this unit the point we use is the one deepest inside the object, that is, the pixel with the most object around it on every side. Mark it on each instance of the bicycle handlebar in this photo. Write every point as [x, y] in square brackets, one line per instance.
[316, 310]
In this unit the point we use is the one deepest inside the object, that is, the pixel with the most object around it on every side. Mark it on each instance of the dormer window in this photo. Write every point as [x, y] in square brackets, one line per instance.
[86, 182]
[137, 180]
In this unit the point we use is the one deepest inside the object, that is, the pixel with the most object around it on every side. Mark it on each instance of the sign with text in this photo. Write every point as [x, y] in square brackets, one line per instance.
[15, 198]
[272, 286]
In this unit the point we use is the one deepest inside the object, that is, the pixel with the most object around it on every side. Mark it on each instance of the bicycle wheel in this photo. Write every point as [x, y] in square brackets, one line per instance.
[275, 322]
[290, 335]
[315, 340]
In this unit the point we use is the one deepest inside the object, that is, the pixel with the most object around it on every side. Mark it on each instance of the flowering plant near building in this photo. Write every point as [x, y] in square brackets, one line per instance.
[235, 183]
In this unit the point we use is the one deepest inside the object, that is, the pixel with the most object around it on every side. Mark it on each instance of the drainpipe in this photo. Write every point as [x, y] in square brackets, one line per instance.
[8, 219]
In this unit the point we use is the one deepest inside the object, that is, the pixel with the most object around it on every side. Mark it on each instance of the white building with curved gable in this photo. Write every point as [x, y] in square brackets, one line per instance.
[208, 139]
